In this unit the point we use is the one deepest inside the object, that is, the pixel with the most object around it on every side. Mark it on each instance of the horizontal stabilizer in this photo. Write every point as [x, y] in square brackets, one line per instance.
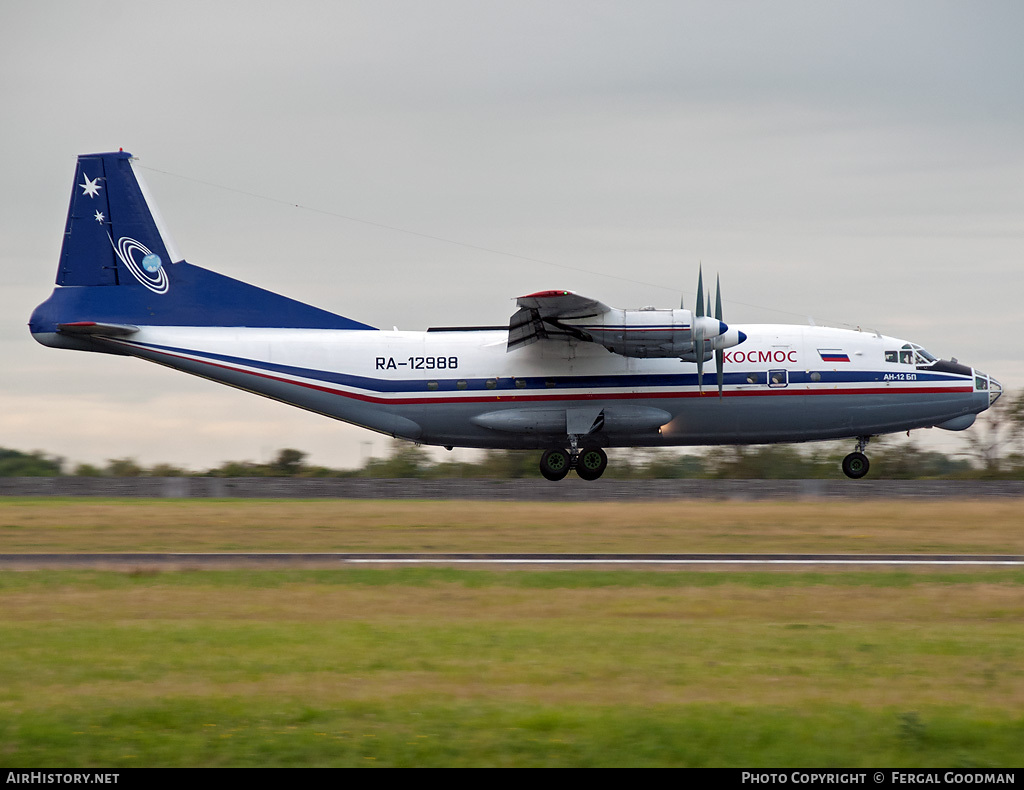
[95, 328]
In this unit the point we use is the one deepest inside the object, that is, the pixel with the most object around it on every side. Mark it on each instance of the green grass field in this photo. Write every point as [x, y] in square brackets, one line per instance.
[828, 525]
[453, 667]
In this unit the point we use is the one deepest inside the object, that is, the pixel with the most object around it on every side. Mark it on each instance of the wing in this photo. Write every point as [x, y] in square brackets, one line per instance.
[541, 315]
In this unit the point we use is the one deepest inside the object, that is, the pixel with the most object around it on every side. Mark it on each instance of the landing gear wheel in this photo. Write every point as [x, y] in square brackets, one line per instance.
[591, 463]
[856, 465]
[554, 464]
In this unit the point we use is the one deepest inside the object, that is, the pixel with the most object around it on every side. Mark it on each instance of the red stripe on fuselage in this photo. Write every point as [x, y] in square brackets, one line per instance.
[710, 392]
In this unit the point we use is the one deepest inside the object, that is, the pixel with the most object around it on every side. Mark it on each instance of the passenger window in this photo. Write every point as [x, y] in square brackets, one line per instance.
[521, 383]
[431, 385]
[751, 378]
[460, 384]
[491, 384]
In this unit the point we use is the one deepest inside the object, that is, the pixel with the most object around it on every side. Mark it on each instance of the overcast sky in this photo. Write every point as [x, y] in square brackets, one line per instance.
[860, 163]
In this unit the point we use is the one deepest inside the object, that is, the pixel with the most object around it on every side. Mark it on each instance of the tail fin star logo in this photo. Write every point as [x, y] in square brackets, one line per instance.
[148, 270]
[91, 187]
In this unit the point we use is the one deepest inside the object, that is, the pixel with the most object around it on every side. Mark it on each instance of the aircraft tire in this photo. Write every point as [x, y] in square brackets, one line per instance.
[856, 465]
[591, 463]
[554, 464]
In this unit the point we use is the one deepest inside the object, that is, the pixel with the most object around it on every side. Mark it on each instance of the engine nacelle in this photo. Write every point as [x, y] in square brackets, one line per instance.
[649, 332]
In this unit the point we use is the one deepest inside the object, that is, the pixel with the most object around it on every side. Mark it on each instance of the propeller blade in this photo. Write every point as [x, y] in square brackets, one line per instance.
[698, 347]
[698, 331]
[720, 369]
[699, 311]
[719, 351]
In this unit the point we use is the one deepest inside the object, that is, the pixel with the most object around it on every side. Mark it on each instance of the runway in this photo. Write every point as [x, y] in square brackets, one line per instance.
[232, 560]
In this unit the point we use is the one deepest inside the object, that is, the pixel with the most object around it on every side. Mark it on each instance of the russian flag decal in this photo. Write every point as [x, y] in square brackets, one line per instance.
[833, 355]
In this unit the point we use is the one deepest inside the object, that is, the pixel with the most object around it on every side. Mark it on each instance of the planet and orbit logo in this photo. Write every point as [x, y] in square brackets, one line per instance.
[148, 270]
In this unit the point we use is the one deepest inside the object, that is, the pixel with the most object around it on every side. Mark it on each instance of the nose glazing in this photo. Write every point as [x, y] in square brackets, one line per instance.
[995, 389]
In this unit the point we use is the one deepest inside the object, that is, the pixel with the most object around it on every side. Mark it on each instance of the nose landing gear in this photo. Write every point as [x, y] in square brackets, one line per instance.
[856, 464]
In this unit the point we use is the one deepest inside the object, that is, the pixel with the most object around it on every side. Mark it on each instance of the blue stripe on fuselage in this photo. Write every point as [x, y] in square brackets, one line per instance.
[505, 384]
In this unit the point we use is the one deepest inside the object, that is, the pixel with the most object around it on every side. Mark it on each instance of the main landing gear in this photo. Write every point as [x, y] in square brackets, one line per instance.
[856, 464]
[589, 463]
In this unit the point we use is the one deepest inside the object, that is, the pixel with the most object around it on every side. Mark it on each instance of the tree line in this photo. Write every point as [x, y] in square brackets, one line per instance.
[992, 449]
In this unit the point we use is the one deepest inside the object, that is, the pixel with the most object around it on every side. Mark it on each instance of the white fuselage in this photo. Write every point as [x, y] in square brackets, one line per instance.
[463, 388]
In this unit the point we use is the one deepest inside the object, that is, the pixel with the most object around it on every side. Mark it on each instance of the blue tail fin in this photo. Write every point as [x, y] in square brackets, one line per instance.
[118, 265]
[108, 202]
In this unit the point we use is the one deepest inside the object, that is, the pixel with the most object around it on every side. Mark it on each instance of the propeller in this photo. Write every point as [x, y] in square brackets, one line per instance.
[698, 330]
[719, 350]
[717, 341]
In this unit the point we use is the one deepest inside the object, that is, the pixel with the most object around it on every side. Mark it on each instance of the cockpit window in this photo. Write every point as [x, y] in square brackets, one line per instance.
[910, 354]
